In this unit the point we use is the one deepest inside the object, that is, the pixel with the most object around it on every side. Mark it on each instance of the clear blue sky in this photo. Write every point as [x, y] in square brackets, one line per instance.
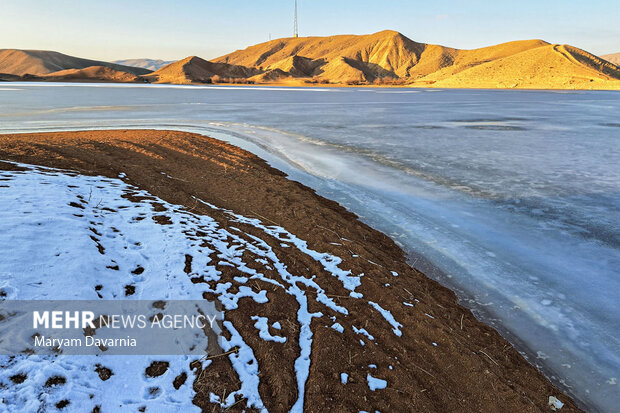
[173, 29]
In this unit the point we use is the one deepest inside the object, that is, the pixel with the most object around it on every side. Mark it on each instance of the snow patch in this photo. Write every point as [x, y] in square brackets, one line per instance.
[389, 318]
[375, 383]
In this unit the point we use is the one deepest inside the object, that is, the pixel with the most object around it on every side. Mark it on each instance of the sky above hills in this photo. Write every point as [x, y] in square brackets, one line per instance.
[174, 29]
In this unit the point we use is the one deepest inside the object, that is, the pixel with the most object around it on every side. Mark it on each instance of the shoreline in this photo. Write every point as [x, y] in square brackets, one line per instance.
[233, 179]
[308, 85]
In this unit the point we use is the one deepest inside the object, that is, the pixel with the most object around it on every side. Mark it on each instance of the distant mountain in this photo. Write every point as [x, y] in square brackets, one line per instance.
[43, 62]
[150, 64]
[613, 58]
[389, 57]
[196, 70]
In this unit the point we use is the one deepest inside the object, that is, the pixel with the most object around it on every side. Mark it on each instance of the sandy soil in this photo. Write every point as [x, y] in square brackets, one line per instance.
[445, 360]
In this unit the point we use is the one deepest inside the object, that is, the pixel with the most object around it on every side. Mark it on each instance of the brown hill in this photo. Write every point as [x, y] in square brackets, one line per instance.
[93, 73]
[365, 58]
[452, 61]
[196, 70]
[338, 58]
[43, 62]
[390, 55]
[613, 58]
[550, 66]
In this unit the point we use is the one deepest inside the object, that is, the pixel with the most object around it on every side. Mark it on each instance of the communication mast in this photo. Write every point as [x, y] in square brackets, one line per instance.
[295, 29]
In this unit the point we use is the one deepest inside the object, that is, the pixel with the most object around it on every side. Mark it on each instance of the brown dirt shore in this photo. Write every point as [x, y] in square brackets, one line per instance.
[471, 368]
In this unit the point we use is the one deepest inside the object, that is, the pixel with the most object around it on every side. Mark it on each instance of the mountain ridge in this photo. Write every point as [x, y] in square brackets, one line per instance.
[384, 58]
[389, 55]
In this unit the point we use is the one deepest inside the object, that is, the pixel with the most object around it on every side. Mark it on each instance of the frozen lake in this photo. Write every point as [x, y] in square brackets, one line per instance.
[513, 197]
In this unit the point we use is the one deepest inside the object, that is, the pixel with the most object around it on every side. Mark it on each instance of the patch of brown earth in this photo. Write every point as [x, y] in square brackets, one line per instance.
[157, 368]
[103, 372]
[445, 360]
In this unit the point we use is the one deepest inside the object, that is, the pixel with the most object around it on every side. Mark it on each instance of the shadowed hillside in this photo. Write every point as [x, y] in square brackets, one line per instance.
[337, 58]
[196, 70]
[93, 73]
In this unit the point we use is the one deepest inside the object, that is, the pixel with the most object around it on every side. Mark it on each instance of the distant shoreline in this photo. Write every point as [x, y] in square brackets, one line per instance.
[299, 85]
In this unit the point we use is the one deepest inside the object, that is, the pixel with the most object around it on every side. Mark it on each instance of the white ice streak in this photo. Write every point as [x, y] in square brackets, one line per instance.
[246, 366]
[364, 332]
[262, 326]
[388, 317]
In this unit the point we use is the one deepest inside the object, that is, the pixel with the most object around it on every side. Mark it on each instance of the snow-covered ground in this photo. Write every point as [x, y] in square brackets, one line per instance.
[65, 236]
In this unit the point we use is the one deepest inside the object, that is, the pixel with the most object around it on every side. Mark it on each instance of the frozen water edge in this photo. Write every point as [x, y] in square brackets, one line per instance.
[59, 229]
[550, 293]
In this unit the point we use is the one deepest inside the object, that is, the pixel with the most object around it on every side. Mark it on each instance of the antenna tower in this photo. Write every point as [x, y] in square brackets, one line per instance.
[295, 29]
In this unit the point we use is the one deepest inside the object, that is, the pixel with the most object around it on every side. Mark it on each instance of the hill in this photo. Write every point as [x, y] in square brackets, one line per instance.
[150, 64]
[613, 58]
[389, 57]
[338, 58]
[93, 73]
[196, 70]
[548, 66]
[43, 62]
[383, 58]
